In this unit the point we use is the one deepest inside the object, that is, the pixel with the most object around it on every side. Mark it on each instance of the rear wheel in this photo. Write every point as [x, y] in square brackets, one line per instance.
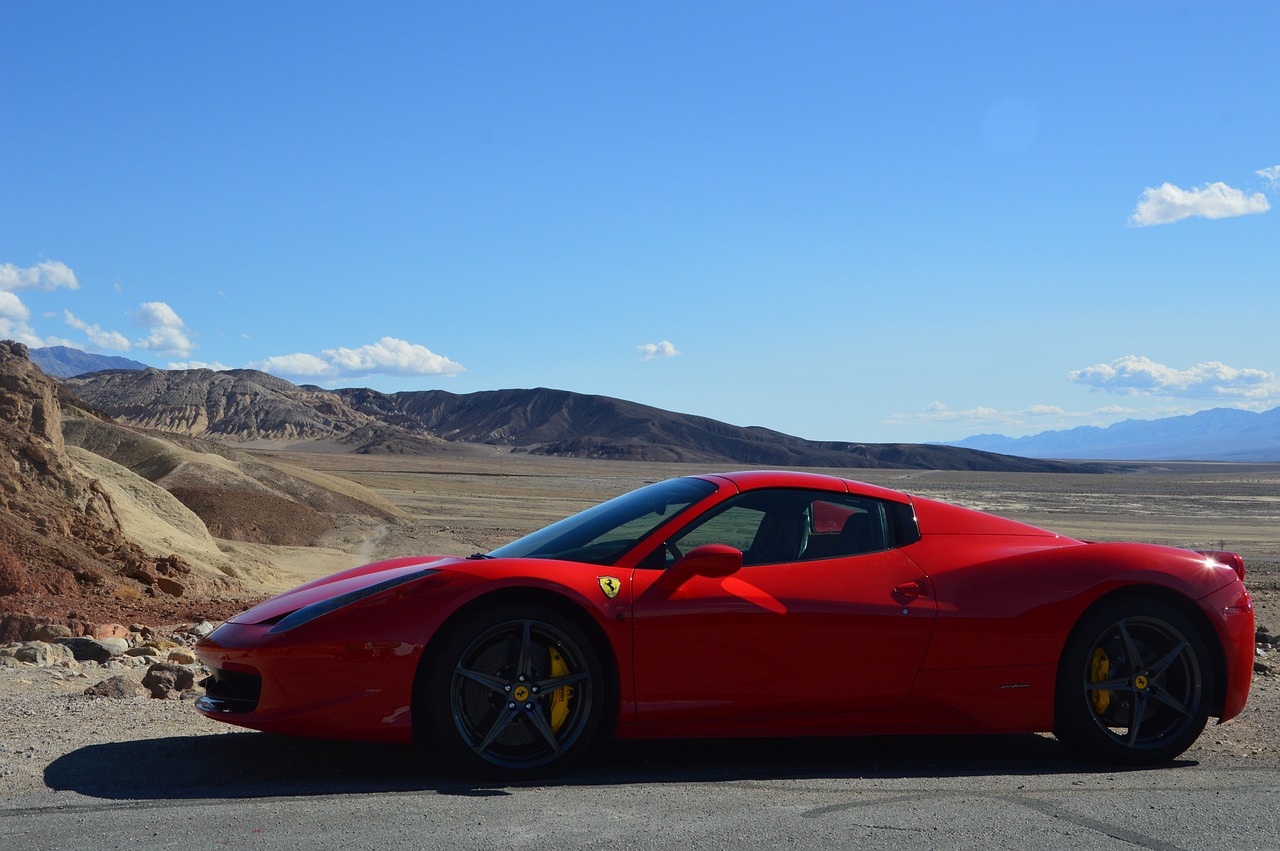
[1134, 684]
[516, 689]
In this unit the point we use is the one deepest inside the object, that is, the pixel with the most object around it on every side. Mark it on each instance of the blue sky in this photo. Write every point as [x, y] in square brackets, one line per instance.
[870, 222]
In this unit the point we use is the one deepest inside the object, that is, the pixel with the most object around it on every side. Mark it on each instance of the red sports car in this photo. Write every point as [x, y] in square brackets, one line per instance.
[750, 604]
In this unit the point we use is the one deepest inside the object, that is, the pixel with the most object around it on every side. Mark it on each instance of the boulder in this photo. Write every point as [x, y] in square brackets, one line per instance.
[115, 646]
[93, 650]
[51, 632]
[20, 627]
[201, 629]
[116, 688]
[168, 681]
[170, 586]
[44, 654]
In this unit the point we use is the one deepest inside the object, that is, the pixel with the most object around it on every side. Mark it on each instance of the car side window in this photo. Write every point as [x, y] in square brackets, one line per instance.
[736, 526]
[776, 526]
[847, 527]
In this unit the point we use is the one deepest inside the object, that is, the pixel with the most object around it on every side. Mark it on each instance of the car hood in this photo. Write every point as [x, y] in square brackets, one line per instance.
[337, 584]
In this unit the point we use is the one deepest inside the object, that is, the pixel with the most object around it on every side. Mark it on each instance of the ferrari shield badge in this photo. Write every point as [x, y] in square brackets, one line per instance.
[610, 586]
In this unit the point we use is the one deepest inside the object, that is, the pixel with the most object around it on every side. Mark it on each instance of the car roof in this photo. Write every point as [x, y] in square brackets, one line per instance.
[747, 480]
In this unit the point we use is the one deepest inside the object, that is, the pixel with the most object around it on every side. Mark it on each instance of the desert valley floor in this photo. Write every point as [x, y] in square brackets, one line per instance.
[477, 498]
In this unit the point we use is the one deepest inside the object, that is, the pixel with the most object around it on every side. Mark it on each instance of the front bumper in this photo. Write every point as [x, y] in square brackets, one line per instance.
[340, 689]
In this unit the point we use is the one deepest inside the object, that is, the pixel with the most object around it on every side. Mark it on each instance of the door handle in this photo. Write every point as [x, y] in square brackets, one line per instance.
[914, 588]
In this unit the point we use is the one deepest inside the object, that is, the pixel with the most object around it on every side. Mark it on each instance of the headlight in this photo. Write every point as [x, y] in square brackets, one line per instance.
[315, 610]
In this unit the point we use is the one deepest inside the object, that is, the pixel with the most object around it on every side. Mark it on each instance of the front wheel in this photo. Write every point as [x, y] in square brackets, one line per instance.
[516, 689]
[1134, 683]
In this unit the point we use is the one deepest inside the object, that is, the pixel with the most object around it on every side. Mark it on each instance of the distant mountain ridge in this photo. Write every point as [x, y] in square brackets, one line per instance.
[1220, 434]
[247, 405]
[560, 422]
[64, 362]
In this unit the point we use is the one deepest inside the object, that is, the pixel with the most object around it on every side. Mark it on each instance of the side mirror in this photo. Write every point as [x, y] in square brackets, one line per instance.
[711, 560]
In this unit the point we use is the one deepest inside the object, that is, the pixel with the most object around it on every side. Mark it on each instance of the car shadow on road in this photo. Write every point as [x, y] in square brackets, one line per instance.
[259, 765]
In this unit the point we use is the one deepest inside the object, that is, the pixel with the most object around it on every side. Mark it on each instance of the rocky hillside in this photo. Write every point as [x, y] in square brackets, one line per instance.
[237, 496]
[60, 534]
[244, 405]
[97, 516]
[557, 422]
[240, 405]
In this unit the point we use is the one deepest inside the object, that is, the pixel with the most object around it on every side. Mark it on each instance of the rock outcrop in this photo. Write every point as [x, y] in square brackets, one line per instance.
[60, 537]
[238, 404]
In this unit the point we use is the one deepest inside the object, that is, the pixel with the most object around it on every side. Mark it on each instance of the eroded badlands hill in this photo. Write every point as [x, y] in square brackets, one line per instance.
[100, 517]
[244, 405]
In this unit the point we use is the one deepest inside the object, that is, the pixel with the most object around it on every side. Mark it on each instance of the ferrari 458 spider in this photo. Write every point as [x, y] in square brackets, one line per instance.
[750, 604]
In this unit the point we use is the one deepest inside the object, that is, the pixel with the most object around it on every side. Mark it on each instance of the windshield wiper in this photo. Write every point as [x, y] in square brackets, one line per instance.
[479, 555]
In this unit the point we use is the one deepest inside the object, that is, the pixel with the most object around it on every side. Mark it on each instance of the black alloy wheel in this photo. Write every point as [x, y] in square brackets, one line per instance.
[1134, 684]
[517, 689]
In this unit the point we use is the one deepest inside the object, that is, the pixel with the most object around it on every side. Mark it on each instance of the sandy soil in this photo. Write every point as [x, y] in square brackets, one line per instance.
[461, 502]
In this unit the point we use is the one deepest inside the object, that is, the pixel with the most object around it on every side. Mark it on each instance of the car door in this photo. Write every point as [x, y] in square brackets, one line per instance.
[817, 621]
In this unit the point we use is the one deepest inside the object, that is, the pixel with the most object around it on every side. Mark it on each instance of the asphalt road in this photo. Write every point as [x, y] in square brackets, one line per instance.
[251, 790]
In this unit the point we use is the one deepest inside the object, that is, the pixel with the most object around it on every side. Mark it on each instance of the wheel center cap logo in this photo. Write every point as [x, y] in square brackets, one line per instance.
[521, 693]
[1140, 682]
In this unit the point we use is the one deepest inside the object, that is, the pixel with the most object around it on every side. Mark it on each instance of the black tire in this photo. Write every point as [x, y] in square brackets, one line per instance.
[515, 690]
[1134, 684]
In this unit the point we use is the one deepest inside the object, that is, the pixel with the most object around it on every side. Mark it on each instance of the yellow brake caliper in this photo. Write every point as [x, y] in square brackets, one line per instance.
[560, 697]
[1099, 668]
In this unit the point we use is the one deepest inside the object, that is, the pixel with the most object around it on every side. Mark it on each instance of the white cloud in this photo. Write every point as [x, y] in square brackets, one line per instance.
[198, 364]
[157, 314]
[1270, 175]
[13, 321]
[1168, 203]
[49, 275]
[110, 340]
[1134, 375]
[18, 331]
[937, 412]
[167, 335]
[296, 364]
[388, 356]
[652, 351]
[11, 307]
[1035, 417]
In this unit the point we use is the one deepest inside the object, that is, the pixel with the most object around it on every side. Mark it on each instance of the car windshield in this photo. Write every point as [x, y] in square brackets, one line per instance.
[601, 534]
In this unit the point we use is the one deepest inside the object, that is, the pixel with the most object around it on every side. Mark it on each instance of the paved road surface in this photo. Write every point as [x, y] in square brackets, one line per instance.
[249, 790]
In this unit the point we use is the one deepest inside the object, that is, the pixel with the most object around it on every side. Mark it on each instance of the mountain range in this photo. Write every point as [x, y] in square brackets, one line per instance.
[1220, 434]
[64, 362]
[246, 406]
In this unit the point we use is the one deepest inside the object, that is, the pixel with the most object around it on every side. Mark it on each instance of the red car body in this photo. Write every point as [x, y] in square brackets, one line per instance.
[956, 626]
